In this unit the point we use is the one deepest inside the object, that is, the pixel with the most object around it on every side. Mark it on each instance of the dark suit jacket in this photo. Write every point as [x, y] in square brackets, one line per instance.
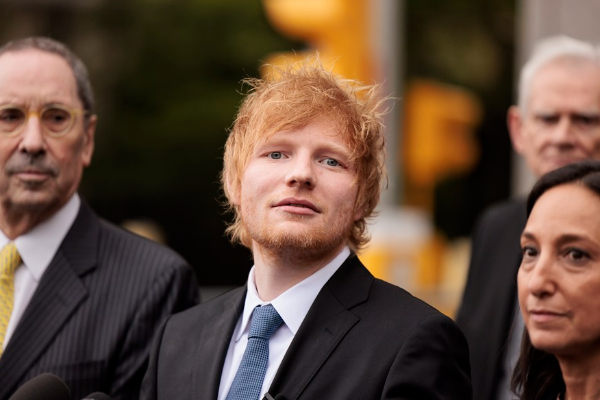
[362, 339]
[486, 311]
[96, 310]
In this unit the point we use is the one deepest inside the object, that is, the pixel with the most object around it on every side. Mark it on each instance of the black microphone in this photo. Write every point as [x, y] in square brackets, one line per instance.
[45, 386]
[97, 396]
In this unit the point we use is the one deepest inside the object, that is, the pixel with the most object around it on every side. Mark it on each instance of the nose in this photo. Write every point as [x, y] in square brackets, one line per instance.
[32, 137]
[301, 173]
[564, 132]
[541, 281]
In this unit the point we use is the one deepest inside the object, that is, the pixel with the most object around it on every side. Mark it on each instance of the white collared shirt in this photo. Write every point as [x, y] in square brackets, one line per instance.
[37, 248]
[292, 305]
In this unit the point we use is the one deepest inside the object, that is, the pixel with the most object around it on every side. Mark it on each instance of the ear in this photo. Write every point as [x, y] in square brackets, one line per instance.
[359, 213]
[88, 141]
[233, 190]
[514, 121]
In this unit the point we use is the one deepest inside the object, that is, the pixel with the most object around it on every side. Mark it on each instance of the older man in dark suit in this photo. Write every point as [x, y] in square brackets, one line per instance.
[79, 297]
[556, 122]
[302, 174]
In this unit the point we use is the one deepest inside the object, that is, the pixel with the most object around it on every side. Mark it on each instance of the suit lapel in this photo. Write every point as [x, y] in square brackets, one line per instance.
[323, 328]
[59, 293]
[215, 344]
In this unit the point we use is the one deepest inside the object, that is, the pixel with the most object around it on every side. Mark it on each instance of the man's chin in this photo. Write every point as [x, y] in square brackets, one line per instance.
[301, 246]
[556, 164]
[32, 201]
[291, 241]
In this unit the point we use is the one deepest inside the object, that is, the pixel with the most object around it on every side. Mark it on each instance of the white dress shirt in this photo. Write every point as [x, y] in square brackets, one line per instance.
[37, 248]
[292, 306]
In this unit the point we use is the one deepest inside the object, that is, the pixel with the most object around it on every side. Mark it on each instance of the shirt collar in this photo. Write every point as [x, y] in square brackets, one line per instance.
[293, 304]
[38, 246]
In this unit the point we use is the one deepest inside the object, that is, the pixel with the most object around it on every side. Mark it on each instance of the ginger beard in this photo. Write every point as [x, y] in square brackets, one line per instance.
[299, 236]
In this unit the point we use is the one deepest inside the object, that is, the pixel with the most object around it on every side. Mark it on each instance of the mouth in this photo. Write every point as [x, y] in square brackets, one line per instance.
[299, 204]
[542, 315]
[32, 174]
[562, 160]
[31, 168]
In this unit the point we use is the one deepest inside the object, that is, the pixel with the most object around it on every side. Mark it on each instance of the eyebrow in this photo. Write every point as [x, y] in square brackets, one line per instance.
[587, 114]
[591, 116]
[566, 238]
[282, 141]
[527, 235]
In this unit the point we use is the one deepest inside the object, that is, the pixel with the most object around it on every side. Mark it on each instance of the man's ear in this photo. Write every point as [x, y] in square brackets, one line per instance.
[88, 141]
[232, 189]
[358, 214]
[514, 121]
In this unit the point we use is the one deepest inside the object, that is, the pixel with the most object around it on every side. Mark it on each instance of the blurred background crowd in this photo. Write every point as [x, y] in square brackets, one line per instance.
[167, 79]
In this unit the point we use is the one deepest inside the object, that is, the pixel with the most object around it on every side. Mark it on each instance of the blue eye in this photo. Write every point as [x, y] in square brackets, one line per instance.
[332, 162]
[275, 155]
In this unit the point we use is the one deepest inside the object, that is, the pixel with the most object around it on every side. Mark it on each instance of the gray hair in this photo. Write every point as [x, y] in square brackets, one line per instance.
[82, 80]
[551, 49]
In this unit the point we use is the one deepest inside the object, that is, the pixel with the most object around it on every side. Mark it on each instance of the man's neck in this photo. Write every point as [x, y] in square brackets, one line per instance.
[276, 272]
[15, 223]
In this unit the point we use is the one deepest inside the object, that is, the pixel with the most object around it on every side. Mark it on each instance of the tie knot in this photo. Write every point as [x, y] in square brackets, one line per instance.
[9, 259]
[265, 321]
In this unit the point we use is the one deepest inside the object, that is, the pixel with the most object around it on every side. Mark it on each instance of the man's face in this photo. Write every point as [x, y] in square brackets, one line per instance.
[561, 122]
[298, 192]
[38, 172]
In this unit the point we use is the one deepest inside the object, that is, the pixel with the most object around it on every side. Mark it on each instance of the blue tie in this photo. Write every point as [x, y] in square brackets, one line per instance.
[250, 375]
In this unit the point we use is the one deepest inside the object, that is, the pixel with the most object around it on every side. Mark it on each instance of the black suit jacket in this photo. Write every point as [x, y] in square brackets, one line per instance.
[362, 339]
[96, 310]
[487, 309]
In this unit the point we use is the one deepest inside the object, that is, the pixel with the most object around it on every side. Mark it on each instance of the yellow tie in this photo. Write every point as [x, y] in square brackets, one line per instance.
[9, 261]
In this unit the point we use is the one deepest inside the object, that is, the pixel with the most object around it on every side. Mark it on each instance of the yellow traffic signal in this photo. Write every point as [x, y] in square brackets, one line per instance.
[338, 30]
[438, 138]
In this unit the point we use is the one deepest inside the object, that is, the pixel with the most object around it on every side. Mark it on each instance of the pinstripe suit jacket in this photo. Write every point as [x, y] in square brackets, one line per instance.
[362, 339]
[96, 310]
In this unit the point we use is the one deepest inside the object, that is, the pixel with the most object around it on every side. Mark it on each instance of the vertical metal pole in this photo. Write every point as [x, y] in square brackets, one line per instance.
[388, 48]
